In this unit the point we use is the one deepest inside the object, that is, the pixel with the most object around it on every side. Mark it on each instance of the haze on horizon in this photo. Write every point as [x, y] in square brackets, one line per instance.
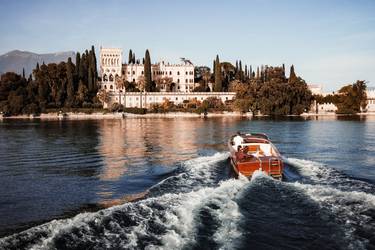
[330, 42]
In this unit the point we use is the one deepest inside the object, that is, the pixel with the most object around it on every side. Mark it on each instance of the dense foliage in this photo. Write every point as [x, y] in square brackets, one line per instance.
[52, 86]
[350, 99]
[271, 93]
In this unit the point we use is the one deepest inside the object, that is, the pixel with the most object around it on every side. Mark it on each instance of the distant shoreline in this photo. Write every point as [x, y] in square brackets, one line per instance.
[99, 115]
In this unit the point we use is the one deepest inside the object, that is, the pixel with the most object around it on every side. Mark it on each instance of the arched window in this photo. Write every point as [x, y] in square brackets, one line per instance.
[105, 86]
[111, 86]
[105, 78]
[186, 73]
[133, 72]
[178, 80]
[142, 72]
[178, 73]
[111, 78]
[186, 80]
[170, 72]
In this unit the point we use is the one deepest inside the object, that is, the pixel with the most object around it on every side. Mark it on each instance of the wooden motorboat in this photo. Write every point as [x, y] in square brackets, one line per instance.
[255, 151]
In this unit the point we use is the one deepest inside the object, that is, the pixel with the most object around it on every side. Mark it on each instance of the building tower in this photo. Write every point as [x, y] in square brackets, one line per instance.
[110, 67]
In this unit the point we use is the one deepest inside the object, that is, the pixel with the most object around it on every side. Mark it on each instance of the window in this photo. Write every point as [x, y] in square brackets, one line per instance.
[136, 98]
[142, 72]
[133, 72]
[178, 80]
[186, 87]
[186, 80]
[105, 86]
[178, 73]
[178, 87]
[186, 73]
[176, 98]
[170, 72]
[128, 72]
[110, 86]
[226, 98]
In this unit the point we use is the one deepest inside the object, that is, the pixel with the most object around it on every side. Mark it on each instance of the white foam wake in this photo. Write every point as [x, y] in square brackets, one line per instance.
[175, 214]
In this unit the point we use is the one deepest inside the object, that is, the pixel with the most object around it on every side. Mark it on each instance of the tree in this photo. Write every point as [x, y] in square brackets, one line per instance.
[130, 58]
[147, 72]
[292, 76]
[351, 98]
[70, 83]
[103, 96]
[218, 76]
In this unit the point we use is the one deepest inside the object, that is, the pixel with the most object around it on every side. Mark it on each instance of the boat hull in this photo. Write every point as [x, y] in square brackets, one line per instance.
[270, 165]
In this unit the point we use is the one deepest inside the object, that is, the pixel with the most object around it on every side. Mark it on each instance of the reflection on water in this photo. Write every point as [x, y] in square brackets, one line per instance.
[50, 169]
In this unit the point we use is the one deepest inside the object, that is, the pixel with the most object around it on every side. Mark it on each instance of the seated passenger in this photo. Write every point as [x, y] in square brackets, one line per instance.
[238, 140]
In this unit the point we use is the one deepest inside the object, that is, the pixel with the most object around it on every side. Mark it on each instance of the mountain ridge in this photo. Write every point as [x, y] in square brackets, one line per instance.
[17, 60]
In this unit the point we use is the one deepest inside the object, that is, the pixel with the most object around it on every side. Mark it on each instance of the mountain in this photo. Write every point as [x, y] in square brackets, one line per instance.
[16, 60]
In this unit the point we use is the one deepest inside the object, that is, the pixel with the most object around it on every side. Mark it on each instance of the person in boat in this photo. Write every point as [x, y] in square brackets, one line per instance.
[238, 139]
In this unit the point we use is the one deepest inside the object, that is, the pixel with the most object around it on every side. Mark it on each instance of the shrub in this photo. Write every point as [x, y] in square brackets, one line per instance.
[115, 107]
[140, 111]
[86, 105]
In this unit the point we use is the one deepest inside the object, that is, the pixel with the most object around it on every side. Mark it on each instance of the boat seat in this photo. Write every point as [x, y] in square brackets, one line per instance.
[252, 148]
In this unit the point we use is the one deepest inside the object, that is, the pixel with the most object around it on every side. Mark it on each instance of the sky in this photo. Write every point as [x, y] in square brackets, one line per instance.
[330, 42]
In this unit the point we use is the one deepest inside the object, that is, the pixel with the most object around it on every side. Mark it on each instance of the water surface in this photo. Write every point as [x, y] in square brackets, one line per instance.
[176, 173]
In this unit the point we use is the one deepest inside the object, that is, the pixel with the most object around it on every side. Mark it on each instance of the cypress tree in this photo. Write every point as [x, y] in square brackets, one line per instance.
[251, 72]
[214, 67]
[130, 58]
[292, 75]
[70, 83]
[147, 71]
[23, 73]
[240, 71]
[218, 77]
[95, 65]
[90, 81]
[246, 73]
[78, 62]
[133, 58]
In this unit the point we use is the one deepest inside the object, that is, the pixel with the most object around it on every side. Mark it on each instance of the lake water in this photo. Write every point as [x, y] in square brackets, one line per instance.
[167, 184]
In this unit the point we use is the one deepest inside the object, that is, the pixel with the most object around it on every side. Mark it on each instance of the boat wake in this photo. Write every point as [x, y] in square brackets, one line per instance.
[202, 207]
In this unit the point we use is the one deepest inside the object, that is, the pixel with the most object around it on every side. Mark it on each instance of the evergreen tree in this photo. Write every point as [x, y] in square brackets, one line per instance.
[213, 68]
[133, 58]
[218, 77]
[95, 64]
[23, 73]
[70, 83]
[130, 57]
[90, 81]
[292, 76]
[240, 72]
[147, 71]
[78, 62]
